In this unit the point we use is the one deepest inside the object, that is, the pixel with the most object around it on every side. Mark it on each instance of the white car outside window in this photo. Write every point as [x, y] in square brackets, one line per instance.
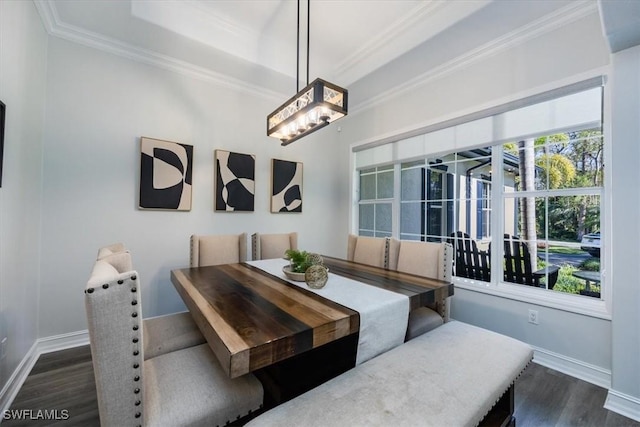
[591, 244]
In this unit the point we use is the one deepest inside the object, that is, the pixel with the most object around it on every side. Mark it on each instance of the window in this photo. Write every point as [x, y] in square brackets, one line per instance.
[525, 203]
[376, 199]
[425, 201]
[555, 203]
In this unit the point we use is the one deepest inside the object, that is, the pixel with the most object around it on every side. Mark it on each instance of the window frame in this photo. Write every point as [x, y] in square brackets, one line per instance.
[598, 308]
[376, 201]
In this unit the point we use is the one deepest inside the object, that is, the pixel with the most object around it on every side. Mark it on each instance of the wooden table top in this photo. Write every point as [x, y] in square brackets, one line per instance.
[252, 319]
[420, 290]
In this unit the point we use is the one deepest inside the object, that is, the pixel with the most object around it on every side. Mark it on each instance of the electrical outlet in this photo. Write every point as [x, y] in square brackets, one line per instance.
[3, 348]
[533, 317]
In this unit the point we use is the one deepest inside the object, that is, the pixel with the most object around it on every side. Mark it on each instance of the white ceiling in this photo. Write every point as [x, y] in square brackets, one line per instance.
[621, 23]
[347, 39]
[246, 40]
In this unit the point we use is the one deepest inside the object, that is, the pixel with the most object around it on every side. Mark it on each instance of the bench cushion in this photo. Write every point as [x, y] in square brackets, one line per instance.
[451, 376]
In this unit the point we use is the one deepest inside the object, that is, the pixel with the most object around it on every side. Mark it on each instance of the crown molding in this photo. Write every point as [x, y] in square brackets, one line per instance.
[423, 22]
[230, 27]
[48, 14]
[570, 13]
[564, 16]
[55, 27]
[383, 39]
[196, 21]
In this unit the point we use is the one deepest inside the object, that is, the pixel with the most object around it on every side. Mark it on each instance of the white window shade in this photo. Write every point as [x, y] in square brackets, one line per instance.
[574, 112]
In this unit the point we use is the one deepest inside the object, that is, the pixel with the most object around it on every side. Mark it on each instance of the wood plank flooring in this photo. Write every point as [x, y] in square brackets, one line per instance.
[545, 397]
[61, 380]
[64, 380]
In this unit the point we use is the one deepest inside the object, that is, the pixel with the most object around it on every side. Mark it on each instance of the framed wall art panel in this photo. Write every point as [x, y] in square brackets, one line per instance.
[235, 181]
[286, 186]
[166, 175]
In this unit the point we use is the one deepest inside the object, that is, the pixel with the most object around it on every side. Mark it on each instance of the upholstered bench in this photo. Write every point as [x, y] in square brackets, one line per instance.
[450, 376]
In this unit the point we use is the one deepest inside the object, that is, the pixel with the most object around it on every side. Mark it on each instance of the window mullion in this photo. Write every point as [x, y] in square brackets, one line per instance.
[577, 191]
[497, 217]
[395, 206]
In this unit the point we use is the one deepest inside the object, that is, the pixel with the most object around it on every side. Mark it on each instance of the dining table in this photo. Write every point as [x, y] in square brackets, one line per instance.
[256, 320]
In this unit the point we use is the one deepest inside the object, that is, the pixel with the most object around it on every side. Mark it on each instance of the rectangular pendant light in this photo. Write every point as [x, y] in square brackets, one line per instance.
[314, 107]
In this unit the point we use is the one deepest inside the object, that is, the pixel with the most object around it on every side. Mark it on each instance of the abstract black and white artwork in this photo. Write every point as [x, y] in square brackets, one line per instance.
[166, 175]
[286, 186]
[235, 181]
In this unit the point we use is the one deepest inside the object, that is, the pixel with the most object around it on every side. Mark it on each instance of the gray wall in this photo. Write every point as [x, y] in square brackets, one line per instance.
[98, 105]
[625, 229]
[23, 45]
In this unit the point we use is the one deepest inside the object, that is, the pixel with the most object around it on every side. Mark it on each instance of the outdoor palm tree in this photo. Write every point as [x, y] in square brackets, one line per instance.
[527, 166]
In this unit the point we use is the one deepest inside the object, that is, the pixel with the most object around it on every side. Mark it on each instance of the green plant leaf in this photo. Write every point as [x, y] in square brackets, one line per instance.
[299, 260]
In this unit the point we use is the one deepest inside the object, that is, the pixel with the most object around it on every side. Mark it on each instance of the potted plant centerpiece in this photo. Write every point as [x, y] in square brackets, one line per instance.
[305, 267]
[298, 261]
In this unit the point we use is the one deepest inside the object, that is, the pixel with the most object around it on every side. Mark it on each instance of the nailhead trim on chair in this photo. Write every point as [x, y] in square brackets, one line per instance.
[447, 254]
[254, 246]
[387, 242]
[137, 349]
[137, 374]
[191, 251]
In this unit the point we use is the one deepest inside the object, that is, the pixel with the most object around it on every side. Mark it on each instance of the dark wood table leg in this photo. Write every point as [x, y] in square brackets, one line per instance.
[292, 377]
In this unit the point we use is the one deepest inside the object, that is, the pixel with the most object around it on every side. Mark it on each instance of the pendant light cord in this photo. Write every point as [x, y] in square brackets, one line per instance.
[308, 35]
[298, 52]
[298, 44]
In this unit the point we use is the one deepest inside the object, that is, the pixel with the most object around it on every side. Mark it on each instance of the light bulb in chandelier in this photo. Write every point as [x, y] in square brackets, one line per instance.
[324, 114]
[302, 124]
[312, 117]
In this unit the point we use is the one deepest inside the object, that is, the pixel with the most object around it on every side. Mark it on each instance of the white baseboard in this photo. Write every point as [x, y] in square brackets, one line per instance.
[62, 342]
[40, 346]
[576, 368]
[11, 388]
[623, 404]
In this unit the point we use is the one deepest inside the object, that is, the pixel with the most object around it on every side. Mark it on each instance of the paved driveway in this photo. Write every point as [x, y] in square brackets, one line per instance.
[571, 259]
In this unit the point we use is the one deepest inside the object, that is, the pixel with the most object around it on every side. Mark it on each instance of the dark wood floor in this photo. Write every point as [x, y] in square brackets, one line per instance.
[545, 397]
[63, 381]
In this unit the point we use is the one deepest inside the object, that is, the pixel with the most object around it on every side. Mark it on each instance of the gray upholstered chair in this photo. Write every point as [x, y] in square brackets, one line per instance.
[163, 334]
[183, 387]
[218, 249]
[368, 250]
[425, 259]
[110, 250]
[269, 246]
[171, 332]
